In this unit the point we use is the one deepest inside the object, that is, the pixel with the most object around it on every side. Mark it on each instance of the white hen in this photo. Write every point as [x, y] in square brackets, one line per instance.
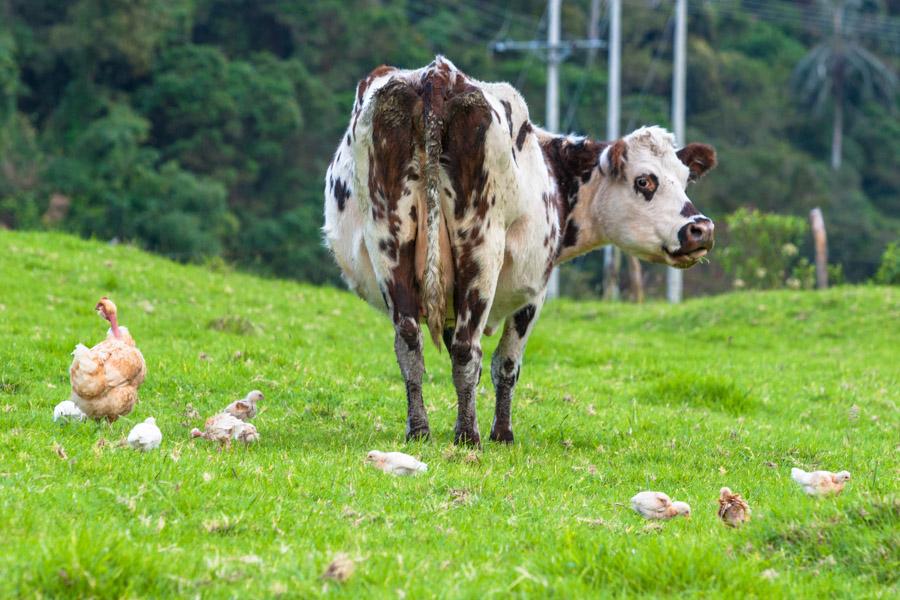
[145, 436]
[396, 463]
[820, 483]
[656, 505]
[67, 411]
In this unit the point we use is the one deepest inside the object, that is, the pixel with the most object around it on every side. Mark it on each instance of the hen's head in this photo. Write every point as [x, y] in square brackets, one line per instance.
[682, 508]
[106, 309]
[254, 397]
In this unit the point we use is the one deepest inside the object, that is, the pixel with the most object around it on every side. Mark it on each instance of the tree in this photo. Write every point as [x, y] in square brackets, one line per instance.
[840, 67]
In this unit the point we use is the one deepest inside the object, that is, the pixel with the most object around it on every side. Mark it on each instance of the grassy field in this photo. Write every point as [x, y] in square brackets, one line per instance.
[613, 399]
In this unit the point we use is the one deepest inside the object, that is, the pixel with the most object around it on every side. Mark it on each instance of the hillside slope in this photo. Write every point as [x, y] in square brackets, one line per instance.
[731, 390]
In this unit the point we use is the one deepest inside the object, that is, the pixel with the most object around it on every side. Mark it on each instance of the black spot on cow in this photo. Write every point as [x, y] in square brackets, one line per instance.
[413, 214]
[341, 193]
[348, 139]
[508, 108]
[524, 130]
[522, 319]
[571, 236]
[570, 162]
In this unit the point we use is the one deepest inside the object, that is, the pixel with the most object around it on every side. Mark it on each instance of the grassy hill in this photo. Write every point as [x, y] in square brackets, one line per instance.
[732, 390]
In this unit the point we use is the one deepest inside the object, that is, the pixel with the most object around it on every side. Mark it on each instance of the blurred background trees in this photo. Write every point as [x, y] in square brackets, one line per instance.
[202, 128]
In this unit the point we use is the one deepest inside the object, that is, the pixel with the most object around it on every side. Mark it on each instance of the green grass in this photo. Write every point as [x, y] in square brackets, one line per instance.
[613, 398]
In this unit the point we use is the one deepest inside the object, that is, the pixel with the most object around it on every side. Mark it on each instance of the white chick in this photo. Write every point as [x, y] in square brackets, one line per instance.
[67, 411]
[821, 483]
[656, 505]
[396, 463]
[245, 409]
[145, 436]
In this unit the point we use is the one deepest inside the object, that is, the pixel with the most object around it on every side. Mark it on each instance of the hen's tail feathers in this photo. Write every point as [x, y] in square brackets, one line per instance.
[433, 298]
[800, 476]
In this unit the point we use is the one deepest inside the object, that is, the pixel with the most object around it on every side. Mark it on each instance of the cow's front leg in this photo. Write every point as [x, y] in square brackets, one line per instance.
[506, 365]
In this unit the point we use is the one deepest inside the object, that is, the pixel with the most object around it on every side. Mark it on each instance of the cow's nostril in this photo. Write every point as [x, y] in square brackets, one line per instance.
[696, 232]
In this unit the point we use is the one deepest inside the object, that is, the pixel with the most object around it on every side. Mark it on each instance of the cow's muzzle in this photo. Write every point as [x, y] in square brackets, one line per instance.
[696, 239]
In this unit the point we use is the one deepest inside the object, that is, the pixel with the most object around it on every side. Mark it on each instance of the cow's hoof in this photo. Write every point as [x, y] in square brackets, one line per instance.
[421, 433]
[504, 435]
[467, 438]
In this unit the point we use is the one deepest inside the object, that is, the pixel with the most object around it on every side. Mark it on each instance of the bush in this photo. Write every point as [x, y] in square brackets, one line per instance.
[763, 252]
[889, 271]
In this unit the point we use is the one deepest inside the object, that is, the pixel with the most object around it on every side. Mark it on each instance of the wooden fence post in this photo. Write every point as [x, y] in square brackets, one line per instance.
[821, 242]
[635, 273]
[611, 259]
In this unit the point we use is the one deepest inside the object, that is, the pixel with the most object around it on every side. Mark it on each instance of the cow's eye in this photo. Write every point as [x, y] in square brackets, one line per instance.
[642, 182]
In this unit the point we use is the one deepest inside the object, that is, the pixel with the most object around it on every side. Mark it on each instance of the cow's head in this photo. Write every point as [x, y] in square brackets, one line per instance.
[642, 203]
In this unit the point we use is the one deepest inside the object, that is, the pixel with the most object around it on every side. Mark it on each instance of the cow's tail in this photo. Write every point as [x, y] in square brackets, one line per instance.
[433, 296]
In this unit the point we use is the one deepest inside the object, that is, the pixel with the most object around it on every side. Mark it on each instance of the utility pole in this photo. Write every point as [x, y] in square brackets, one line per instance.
[674, 282]
[612, 255]
[557, 51]
[553, 60]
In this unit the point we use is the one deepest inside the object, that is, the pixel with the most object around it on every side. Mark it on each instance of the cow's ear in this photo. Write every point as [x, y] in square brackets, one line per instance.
[613, 159]
[699, 158]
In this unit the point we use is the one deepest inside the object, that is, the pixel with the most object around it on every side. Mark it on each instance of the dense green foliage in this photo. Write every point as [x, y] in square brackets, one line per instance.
[762, 251]
[612, 399]
[201, 128]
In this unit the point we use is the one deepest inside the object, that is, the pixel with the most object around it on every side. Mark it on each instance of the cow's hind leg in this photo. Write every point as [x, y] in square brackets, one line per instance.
[408, 346]
[506, 365]
[391, 178]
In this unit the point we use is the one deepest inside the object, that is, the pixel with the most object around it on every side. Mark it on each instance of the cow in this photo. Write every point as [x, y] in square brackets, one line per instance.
[444, 203]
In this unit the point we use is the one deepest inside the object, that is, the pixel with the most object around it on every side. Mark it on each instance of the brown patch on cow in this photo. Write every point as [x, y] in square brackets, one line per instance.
[646, 185]
[617, 157]
[508, 108]
[524, 130]
[570, 163]
[367, 81]
[341, 193]
[688, 210]
[699, 158]
[396, 132]
[402, 286]
[467, 121]
[413, 214]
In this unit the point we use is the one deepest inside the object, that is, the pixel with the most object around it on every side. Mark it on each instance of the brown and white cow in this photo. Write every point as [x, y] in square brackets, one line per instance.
[444, 203]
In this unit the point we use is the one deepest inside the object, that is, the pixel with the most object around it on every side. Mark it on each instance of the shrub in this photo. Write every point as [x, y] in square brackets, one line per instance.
[763, 252]
[889, 271]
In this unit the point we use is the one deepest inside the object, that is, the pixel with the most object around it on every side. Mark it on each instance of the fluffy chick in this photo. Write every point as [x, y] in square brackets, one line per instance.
[245, 409]
[224, 428]
[733, 510]
[657, 505]
[821, 483]
[396, 463]
[67, 411]
[145, 436]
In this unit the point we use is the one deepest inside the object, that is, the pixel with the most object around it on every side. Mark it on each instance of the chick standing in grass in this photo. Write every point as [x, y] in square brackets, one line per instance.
[245, 409]
[145, 436]
[224, 428]
[656, 505]
[105, 379]
[733, 510]
[396, 463]
[67, 411]
[821, 483]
